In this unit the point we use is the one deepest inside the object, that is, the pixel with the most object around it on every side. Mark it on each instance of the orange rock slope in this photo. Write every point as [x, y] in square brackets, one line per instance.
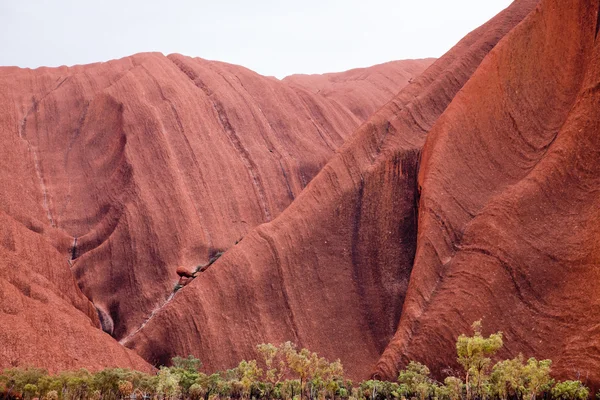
[510, 203]
[472, 194]
[45, 320]
[332, 271]
[123, 171]
[360, 89]
[501, 223]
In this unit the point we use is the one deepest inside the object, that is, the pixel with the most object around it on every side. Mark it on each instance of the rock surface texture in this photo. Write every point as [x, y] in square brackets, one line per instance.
[123, 171]
[334, 271]
[510, 203]
[45, 320]
[361, 89]
[473, 194]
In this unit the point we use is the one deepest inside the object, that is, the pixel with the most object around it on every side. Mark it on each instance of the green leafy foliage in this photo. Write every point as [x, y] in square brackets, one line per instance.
[474, 354]
[285, 372]
[507, 379]
[570, 390]
[537, 377]
[416, 382]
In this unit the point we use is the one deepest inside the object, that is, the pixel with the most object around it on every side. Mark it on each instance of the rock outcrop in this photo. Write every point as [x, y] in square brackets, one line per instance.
[472, 194]
[360, 89]
[332, 271]
[131, 168]
[510, 203]
[45, 320]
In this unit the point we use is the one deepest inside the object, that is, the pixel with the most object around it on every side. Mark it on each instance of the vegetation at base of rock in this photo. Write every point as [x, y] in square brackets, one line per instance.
[284, 372]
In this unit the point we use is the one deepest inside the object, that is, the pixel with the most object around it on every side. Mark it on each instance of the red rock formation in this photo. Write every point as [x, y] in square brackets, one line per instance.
[133, 167]
[331, 272]
[45, 320]
[360, 89]
[184, 272]
[390, 252]
[509, 204]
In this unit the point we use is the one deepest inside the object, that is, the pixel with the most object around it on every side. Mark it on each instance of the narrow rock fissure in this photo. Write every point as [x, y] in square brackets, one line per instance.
[106, 322]
[244, 155]
[231, 135]
[40, 175]
[200, 268]
[74, 249]
[199, 212]
[287, 182]
[127, 338]
[417, 198]
[388, 128]
[36, 162]
[272, 147]
[598, 19]
[518, 280]
[286, 297]
[60, 211]
[310, 113]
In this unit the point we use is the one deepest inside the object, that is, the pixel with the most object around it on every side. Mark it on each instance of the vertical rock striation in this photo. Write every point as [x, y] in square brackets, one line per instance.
[136, 166]
[332, 271]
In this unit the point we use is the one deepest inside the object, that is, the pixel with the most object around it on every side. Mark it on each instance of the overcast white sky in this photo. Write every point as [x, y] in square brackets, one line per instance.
[272, 37]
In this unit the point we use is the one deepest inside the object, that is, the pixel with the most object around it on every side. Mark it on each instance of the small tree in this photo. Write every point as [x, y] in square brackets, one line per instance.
[197, 391]
[147, 385]
[299, 363]
[125, 388]
[248, 375]
[52, 395]
[47, 384]
[30, 391]
[453, 388]
[416, 379]
[570, 390]
[318, 373]
[105, 381]
[507, 378]
[537, 377]
[190, 363]
[168, 384]
[209, 383]
[275, 361]
[474, 354]
[186, 370]
[290, 388]
[370, 389]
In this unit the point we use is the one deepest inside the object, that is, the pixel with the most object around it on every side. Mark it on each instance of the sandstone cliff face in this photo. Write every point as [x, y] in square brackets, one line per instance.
[472, 194]
[332, 271]
[360, 89]
[131, 168]
[45, 320]
[509, 203]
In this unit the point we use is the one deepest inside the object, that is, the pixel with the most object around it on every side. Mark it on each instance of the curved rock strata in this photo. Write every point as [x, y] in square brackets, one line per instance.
[472, 194]
[331, 272]
[136, 166]
[509, 203]
[45, 320]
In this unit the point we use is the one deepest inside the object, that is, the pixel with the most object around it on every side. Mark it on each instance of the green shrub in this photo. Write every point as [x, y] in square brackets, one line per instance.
[570, 390]
[286, 373]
